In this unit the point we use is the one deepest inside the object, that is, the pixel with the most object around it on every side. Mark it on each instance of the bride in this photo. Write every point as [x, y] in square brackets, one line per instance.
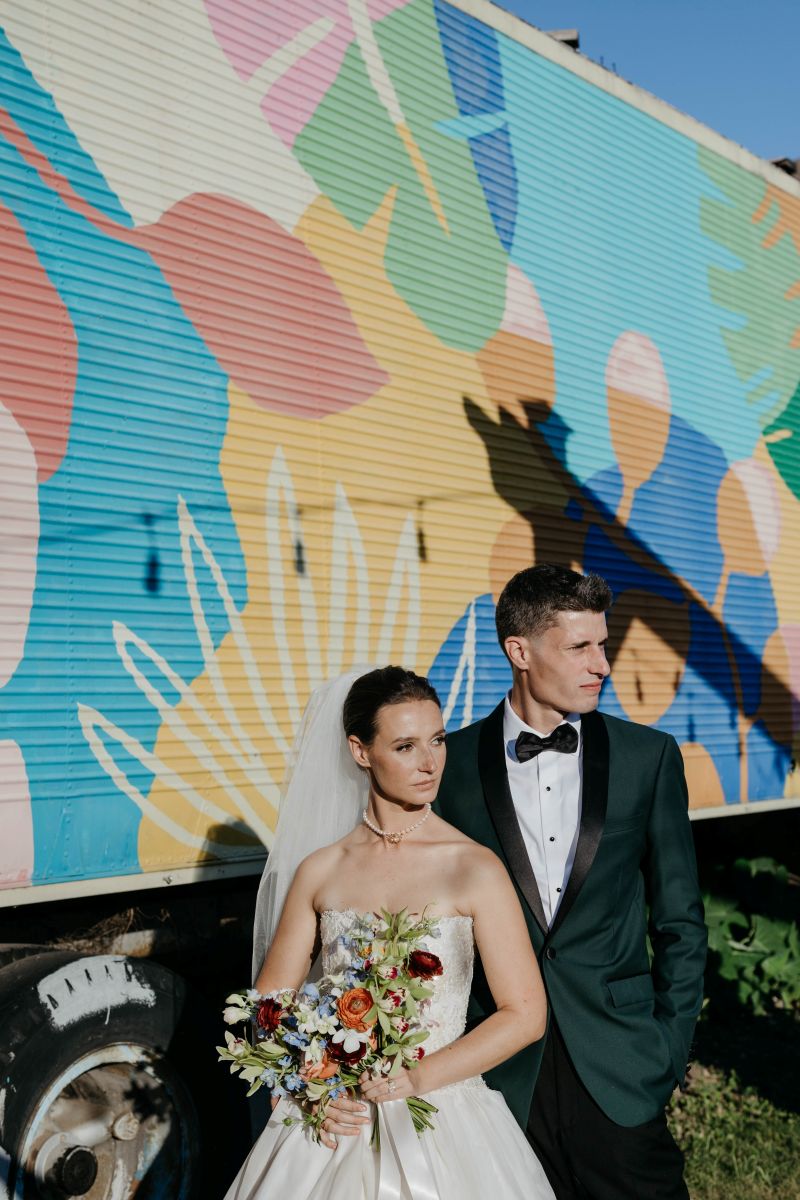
[367, 764]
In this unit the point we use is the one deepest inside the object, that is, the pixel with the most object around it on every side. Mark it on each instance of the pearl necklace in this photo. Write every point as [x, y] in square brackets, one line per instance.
[394, 838]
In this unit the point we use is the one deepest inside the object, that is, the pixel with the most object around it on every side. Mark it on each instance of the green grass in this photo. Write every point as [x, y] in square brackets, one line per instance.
[738, 1145]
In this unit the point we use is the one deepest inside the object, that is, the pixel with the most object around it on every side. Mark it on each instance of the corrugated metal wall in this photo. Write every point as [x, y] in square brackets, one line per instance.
[312, 333]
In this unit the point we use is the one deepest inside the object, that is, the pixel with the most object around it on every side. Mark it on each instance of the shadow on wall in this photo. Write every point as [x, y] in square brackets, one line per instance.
[695, 646]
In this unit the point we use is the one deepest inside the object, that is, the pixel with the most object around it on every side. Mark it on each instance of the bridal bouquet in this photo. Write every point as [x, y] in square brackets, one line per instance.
[313, 1045]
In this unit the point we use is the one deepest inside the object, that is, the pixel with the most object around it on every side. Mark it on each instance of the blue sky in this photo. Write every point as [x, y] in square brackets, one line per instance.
[730, 63]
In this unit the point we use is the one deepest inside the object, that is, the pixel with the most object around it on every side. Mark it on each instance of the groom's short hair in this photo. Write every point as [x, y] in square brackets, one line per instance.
[531, 601]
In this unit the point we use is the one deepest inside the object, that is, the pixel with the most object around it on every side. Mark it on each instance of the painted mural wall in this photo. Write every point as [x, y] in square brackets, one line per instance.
[319, 320]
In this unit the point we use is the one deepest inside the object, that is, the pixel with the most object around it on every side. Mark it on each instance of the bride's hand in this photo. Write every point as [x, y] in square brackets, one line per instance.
[345, 1118]
[381, 1088]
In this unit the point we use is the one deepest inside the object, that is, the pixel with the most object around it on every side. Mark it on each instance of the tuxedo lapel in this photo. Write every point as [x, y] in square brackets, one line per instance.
[494, 778]
[594, 800]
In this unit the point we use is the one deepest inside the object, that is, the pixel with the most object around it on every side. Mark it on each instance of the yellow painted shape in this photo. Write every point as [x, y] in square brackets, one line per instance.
[408, 453]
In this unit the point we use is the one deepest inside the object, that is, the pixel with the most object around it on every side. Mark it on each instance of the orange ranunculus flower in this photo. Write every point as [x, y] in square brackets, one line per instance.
[353, 1007]
[320, 1070]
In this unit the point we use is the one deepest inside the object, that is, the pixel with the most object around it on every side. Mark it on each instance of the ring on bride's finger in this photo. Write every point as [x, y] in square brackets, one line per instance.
[391, 1086]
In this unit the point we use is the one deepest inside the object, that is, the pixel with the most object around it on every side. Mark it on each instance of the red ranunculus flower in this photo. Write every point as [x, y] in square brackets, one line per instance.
[269, 1015]
[337, 1053]
[424, 965]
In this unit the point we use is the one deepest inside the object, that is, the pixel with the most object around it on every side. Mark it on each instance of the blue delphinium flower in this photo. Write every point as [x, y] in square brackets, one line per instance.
[268, 1077]
[327, 1007]
[286, 1061]
[352, 979]
[311, 990]
[293, 1082]
[299, 1040]
[279, 1091]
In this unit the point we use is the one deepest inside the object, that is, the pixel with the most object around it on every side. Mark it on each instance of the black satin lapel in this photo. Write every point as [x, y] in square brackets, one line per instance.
[494, 778]
[594, 800]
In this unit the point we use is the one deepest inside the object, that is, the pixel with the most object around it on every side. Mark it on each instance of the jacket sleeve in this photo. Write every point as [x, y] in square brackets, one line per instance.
[677, 927]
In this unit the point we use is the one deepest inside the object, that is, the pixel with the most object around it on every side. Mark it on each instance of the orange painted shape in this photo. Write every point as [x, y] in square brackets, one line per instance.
[748, 518]
[702, 778]
[652, 635]
[38, 348]
[518, 372]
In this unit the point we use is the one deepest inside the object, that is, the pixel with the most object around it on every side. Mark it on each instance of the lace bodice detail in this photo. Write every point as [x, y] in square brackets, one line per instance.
[446, 1012]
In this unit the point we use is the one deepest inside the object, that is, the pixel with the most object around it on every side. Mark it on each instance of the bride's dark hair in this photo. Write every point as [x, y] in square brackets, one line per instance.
[373, 691]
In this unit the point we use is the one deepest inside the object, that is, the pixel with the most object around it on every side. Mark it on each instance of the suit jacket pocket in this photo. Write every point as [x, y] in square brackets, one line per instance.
[636, 989]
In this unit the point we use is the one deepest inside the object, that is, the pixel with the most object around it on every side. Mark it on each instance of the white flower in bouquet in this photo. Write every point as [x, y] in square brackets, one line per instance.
[232, 1014]
[351, 1039]
[237, 1046]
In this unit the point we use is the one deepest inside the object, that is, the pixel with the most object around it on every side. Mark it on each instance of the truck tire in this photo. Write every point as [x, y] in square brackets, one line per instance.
[100, 1093]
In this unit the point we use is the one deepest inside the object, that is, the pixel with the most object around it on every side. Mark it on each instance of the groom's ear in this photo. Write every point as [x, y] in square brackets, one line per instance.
[518, 652]
[358, 751]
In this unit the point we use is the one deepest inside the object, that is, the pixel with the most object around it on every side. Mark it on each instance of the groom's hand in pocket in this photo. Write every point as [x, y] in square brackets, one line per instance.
[346, 1118]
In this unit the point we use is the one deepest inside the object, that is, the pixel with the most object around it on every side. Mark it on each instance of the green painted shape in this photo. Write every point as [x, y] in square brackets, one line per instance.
[454, 283]
[760, 350]
[786, 453]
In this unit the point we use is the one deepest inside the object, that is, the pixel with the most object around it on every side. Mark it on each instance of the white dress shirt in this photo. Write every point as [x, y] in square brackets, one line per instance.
[546, 791]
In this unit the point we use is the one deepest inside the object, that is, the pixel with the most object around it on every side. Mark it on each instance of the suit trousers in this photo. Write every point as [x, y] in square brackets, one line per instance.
[585, 1154]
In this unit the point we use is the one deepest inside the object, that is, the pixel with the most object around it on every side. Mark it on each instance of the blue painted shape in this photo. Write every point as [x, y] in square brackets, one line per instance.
[704, 708]
[609, 250]
[34, 111]
[461, 129]
[149, 417]
[768, 764]
[674, 514]
[494, 163]
[473, 62]
[492, 672]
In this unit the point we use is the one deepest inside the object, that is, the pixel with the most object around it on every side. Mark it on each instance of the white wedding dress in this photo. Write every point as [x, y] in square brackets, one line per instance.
[475, 1151]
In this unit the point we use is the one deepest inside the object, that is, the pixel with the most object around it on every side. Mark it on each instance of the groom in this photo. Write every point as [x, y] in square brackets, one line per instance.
[589, 814]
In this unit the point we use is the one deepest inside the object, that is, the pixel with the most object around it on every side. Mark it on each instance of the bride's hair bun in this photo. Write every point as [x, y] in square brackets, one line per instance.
[371, 692]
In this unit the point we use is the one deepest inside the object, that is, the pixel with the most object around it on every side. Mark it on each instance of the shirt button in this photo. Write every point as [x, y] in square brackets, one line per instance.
[552, 839]
[550, 952]
[558, 889]
[547, 789]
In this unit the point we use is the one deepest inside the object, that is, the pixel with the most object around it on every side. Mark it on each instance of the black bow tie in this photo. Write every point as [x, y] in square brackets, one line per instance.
[564, 738]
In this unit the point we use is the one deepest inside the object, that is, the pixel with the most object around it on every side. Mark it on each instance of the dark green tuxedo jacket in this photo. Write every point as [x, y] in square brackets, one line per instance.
[627, 1023]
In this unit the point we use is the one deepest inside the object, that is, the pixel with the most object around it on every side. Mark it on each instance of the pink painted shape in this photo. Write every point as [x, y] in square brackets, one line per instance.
[634, 366]
[38, 347]
[19, 538]
[524, 314]
[790, 635]
[251, 32]
[16, 818]
[762, 496]
[266, 308]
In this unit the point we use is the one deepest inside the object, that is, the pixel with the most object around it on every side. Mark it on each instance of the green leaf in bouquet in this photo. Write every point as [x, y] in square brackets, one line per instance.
[414, 1039]
[384, 1021]
[270, 1050]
